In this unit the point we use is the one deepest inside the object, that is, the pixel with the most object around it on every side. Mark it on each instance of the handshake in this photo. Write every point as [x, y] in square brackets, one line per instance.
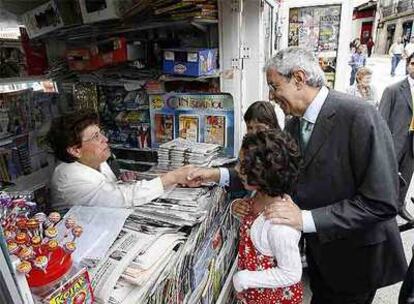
[191, 176]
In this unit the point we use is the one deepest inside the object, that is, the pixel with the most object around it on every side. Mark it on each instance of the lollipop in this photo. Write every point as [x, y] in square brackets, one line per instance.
[41, 262]
[12, 247]
[21, 238]
[51, 232]
[77, 232]
[54, 218]
[26, 253]
[36, 242]
[52, 245]
[69, 224]
[41, 218]
[70, 247]
[24, 267]
[21, 223]
[33, 225]
[8, 234]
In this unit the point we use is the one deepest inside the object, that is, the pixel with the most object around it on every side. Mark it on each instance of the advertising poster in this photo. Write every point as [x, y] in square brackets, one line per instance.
[205, 118]
[317, 28]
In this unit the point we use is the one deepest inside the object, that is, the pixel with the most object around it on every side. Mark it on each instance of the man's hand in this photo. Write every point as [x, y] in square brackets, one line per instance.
[177, 176]
[198, 176]
[285, 212]
[240, 207]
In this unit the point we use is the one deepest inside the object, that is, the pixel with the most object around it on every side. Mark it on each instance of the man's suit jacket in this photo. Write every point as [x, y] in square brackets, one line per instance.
[396, 107]
[349, 181]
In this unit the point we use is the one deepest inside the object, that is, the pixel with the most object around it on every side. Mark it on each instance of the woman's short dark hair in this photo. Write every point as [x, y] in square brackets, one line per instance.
[271, 161]
[65, 131]
[263, 112]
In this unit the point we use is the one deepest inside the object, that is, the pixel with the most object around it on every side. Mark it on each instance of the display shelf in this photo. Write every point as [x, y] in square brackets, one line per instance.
[86, 31]
[33, 180]
[167, 77]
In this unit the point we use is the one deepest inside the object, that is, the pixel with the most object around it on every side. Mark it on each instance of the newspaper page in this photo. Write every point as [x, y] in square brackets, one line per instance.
[105, 276]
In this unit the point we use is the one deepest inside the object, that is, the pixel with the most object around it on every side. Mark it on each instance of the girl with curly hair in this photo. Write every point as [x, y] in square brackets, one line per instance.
[269, 262]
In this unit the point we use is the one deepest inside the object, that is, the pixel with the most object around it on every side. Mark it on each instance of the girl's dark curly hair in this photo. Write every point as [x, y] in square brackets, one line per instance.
[271, 161]
[66, 132]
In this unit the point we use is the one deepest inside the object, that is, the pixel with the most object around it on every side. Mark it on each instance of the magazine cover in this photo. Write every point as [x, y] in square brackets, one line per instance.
[215, 130]
[189, 127]
[164, 128]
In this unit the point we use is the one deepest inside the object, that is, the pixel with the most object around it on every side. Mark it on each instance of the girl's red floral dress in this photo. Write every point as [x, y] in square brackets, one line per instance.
[251, 259]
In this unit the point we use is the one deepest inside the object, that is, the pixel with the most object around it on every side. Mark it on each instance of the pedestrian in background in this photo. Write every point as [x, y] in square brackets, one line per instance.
[358, 60]
[363, 87]
[370, 45]
[396, 51]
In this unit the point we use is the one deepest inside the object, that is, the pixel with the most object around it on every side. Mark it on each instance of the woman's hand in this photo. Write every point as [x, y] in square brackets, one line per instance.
[240, 207]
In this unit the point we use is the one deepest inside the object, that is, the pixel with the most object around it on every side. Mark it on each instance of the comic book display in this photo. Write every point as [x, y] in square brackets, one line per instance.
[205, 118]
[317, 28]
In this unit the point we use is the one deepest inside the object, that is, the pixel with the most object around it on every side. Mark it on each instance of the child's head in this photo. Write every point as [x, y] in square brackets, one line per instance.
[260, 116]
[269, 161]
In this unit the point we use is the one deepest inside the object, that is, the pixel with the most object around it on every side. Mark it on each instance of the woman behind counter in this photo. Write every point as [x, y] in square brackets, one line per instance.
[84, 177]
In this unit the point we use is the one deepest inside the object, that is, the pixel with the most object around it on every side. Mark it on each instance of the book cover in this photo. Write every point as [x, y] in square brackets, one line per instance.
[164, 127]
[215, 130]
[189, 127]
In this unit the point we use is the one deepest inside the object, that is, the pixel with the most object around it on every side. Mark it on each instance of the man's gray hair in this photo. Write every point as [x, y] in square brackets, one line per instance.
[293, 58]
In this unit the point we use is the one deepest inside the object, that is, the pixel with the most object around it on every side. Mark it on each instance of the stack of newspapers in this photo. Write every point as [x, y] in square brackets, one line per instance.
[179, 152]
[177, 249]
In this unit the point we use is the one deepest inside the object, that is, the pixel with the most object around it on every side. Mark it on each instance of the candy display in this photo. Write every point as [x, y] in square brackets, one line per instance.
[24, 267]
[35, 240]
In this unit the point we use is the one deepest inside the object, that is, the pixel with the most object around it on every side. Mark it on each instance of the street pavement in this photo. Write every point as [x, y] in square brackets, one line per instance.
[381, 66]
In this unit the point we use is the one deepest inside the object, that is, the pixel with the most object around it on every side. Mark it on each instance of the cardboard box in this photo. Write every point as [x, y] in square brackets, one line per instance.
[79, 59]
[101, 10]
[109, 52]
[50, 16]
[190, 61]
[35, 54]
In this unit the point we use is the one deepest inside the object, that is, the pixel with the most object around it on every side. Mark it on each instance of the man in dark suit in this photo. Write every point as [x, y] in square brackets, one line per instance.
[346, 199]
[397, 109]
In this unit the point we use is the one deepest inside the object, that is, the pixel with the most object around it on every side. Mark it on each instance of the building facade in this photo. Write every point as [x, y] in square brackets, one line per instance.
[395, 20]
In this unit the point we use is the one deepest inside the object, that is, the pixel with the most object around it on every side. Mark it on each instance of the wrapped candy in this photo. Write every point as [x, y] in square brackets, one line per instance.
[41, 218]
[12, 247]
[77, 232]
[21, 238]
[36, 242]
[33, 226]
[41, 262]
[70, 247]
[51, 232]
[21, 223]
[69, 224]
[26, 253]
[54, 218]
[52, 245]
[24, 267]
[8, 234]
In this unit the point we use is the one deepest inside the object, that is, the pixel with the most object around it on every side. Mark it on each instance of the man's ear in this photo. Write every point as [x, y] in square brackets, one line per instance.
[74, 151]
[299, 77]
